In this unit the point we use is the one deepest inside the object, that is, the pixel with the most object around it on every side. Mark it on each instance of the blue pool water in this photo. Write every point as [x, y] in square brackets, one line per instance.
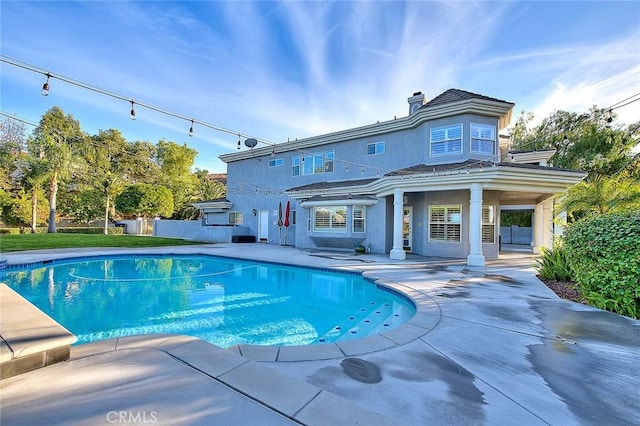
[223, 301]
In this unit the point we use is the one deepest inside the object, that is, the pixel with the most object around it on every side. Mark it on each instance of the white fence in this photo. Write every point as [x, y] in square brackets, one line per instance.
[194, 230]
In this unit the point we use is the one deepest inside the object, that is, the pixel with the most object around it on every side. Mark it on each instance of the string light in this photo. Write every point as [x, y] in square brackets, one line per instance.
[191, 129]
[45, 86]
[133, 111]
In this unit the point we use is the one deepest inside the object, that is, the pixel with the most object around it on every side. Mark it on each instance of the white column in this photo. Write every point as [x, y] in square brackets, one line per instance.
[397, 252]
[547, 223]
[537, 228]
[475, 257]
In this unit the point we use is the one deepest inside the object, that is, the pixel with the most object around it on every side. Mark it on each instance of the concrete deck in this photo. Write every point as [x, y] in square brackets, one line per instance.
[488, 346]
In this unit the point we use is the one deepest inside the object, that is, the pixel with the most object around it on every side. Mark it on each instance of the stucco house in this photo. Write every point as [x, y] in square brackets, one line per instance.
[431, 183]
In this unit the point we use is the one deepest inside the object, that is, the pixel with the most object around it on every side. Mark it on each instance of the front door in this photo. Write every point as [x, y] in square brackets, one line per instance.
[407, 223]
[263, 226]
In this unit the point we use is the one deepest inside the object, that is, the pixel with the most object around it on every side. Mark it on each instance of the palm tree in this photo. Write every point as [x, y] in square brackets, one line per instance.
[51, 144]
[602, 195]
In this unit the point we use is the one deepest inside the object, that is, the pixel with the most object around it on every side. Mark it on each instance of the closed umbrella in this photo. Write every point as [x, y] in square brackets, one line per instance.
[286, 222]
[280, 222]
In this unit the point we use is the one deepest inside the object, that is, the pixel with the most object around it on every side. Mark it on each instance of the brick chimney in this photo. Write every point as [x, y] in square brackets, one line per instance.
[416, 101]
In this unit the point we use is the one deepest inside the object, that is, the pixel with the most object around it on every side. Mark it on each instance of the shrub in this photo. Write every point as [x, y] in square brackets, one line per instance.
[112, 230]
[553, 264]
[604, 255]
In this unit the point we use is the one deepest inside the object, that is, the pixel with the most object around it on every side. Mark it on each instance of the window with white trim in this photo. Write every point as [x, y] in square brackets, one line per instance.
[328, 161]
[483, 138]
[446, 140]
[376, 148]
[295, 165]
[488, 224]
[276, 162]
[317, 163]
[359, 215]
[235, 218]
[445, 223]
[330, 219]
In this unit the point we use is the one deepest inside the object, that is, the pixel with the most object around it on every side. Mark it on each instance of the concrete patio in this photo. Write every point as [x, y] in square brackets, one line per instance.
[487, 346]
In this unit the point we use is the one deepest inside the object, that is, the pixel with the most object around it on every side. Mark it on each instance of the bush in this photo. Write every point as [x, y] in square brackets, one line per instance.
[604, 255]
[553, 264]
[112, 230]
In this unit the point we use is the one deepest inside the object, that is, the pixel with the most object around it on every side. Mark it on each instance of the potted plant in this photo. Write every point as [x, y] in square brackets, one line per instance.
[359, 248]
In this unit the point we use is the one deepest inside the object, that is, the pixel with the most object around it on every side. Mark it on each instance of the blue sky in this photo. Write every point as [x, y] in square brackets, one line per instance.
[279, 70]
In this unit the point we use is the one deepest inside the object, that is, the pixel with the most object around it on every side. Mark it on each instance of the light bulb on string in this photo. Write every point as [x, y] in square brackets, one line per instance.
[191, 129]
[45, 86]
[133, 111]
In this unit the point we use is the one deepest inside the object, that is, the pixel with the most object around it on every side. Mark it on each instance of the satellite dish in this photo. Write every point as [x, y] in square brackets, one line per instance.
[250, 143]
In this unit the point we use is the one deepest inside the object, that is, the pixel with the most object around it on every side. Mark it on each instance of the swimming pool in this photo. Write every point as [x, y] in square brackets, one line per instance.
[224, 301]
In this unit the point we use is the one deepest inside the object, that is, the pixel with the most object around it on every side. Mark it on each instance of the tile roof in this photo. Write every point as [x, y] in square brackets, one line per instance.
[462, 166]
[456, 95]
[332, 185]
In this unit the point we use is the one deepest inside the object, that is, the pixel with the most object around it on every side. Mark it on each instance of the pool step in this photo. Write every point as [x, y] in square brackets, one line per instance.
[29, 339]
[364, 325]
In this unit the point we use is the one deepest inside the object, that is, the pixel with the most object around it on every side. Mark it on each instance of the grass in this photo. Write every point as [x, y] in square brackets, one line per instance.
[55, 241]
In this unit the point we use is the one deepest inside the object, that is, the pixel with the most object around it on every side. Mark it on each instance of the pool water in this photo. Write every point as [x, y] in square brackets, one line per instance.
[223, 301]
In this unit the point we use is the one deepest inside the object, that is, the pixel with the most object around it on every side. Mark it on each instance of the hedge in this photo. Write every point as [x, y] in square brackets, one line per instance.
[112, 230]
[604, 255]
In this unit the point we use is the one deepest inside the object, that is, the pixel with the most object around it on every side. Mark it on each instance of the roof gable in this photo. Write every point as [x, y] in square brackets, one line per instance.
[457, 95]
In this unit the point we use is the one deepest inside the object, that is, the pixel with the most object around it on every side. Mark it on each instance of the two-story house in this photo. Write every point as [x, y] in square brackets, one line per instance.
[431, 183]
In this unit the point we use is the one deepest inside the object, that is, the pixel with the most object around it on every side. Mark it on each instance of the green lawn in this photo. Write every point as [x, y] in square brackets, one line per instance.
[50, 241]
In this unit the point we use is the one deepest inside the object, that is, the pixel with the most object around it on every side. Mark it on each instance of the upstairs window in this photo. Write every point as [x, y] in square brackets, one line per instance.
[375, 148]
[276, 162]
[295, 165]
[328, 161]
[483, 138]
[446, 140]
[317, 163]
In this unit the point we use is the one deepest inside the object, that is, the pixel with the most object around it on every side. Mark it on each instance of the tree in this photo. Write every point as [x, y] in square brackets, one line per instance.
[51, 144]
[144, 200]
[83, 206]
[590, 141]
[140, 166]
[175, 164]
[107, 159]
[12, 143]
[602, 195]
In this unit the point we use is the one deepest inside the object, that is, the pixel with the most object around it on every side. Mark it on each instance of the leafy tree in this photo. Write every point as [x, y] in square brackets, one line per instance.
[590, 141]
[144, 200]
[175, 164]
[602, 195]
[51, 145]
[209, 188]
[12, 144]
[84, 206]
[107, 157]
[140, 165]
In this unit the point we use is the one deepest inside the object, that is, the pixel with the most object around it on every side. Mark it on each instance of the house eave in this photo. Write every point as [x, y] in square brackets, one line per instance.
[500, 110]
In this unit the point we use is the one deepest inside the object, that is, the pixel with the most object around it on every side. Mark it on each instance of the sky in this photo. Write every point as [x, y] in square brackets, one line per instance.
[285, 70]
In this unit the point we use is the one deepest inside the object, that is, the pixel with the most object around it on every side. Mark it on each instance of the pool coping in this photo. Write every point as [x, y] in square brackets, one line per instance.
[427, 316]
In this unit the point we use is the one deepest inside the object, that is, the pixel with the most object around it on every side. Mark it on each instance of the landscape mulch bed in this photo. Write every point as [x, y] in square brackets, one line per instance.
[566, 290]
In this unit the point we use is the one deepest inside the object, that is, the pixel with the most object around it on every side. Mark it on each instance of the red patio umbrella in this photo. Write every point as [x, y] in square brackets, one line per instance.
[286, 222]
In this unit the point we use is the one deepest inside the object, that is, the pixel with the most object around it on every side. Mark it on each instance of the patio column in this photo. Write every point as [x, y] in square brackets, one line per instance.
[397, 252]
[547, 223]
[475, 257]
[537, 228]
